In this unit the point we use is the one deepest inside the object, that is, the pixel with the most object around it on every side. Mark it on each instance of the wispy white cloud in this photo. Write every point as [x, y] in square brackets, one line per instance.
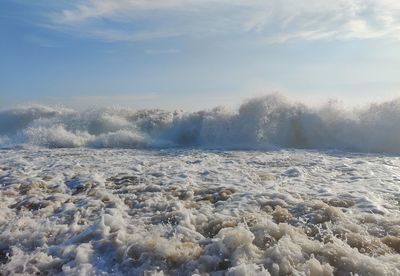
[274, 20]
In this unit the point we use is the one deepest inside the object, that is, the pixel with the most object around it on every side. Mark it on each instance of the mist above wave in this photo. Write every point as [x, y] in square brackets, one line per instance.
[266, 122]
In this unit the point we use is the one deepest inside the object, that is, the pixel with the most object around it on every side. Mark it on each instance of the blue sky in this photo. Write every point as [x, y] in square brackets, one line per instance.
[192, 54]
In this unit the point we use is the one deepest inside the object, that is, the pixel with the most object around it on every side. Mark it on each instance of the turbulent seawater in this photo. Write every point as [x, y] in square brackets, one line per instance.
[184, 212]
[274, 188]
[263, 123]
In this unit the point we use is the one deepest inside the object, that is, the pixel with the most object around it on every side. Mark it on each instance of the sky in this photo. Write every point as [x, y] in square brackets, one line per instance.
[194, 54]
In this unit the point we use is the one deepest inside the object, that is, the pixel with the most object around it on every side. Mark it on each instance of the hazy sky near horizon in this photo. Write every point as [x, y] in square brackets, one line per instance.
[192, 54]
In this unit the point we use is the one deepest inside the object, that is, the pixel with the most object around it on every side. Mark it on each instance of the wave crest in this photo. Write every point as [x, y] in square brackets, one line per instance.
[270, 121]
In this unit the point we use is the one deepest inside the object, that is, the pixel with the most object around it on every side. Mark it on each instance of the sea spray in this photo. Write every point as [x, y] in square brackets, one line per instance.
[261, 123]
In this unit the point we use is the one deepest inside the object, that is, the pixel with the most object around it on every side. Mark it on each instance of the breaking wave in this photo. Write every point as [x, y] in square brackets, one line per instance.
[261, 123]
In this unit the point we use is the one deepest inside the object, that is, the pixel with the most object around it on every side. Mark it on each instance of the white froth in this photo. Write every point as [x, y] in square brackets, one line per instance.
[194, 212]
[261, 123]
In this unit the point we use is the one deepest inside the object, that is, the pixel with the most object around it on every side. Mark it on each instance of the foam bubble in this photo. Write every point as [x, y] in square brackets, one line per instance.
[195, 212]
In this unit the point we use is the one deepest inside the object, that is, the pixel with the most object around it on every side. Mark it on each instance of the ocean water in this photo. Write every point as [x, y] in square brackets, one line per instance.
[273, 188]
[269, 122]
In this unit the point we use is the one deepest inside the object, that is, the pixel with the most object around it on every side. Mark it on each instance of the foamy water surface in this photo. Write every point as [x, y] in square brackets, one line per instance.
[82, 211]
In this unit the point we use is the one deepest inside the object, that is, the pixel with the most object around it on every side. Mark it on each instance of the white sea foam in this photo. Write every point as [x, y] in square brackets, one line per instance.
[86, 193]
[267, 122]
[54, 137]
[84, 211]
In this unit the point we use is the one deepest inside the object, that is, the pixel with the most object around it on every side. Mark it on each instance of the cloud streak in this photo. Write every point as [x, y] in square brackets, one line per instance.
[275, 21]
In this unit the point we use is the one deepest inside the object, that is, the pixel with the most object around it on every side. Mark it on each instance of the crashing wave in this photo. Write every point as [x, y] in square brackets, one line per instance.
[267, 122]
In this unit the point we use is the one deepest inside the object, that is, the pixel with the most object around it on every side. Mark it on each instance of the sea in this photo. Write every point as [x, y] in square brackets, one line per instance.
[273, 187]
